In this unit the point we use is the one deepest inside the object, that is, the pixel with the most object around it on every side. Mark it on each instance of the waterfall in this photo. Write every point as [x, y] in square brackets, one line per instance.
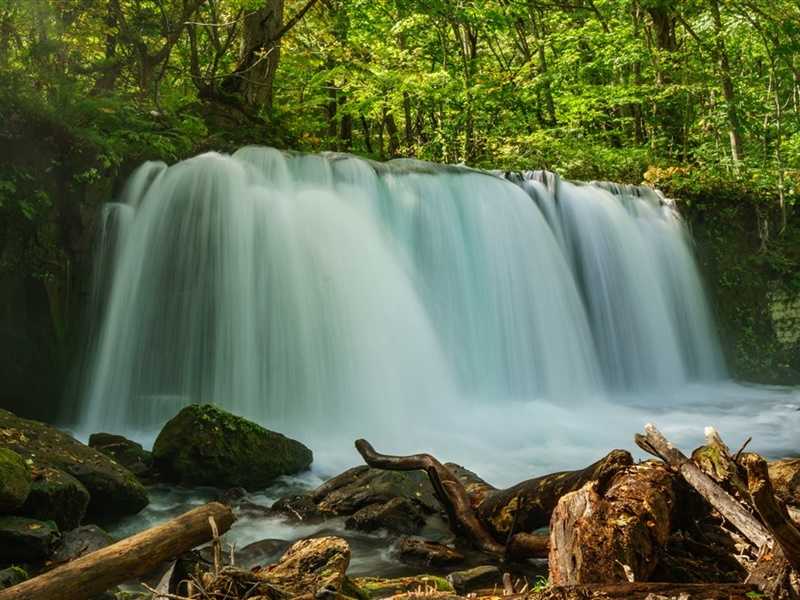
[327, 289]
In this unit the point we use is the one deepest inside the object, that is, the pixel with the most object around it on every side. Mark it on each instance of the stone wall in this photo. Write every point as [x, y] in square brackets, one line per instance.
[784, 310]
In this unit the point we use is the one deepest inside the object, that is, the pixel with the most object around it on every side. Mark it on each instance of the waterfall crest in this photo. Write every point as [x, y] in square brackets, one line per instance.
[322, 289]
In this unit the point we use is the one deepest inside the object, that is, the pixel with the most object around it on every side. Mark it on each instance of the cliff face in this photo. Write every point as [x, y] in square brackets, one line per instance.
[754, 287]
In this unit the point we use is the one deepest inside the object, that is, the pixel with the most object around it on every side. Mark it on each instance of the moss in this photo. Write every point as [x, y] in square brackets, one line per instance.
[375, 587]
[205, 445]
[15, 480]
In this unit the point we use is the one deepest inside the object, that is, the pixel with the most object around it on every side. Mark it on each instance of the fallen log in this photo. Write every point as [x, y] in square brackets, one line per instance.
[498, 521]
[132, 557]
[656, 444]
[613, 535]
[647, 591]
[782, 528]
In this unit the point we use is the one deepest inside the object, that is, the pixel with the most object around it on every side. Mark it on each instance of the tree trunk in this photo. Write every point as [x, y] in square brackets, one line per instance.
[259, 54]
[648, 591]
[132, 557]
[613, 535]
[727, 84]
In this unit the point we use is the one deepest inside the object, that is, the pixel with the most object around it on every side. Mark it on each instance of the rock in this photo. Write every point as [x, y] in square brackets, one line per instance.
[375, 588]
[362, 487]
[56, 496]
[398, 515]
[80, 541]
[15, 480]
[785, 477]
[12, 576]
[126, 452]
[113, 490]
[485, 576]
[298, 508]
[204, 445]
[23, 539]
[432, 554]
[261, 552]
[311, 568]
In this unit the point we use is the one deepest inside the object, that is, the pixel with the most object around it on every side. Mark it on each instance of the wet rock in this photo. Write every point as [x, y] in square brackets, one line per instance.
[419, 551]
[23, 539]
[362, 487]
[312, 568]
[56, 496]
[113, 490]
[398, 515]
[15, 480]
[485, 576]
[204, 445]
[232, 496]
[126, 452]
[12, 576]
[80, 541]
[375, 588]
[261, 552]
[298, 508]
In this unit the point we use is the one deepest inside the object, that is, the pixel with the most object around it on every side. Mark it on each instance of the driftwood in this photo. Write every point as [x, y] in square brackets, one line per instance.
[132, 557]
[616, 535]
[749, 526]
[499, 522]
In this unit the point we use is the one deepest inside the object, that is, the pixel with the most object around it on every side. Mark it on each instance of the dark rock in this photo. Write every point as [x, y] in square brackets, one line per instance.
[376, 486]
[204, 445]
[15, 480]
[12, 576]
[399, 515]
[261, 552]
[56, 496]
[24, 539]
[298, 508]
[485, 576]
[80, 541]
[334, 483]
[419, 551]
[232, 496]
[312, 568]
[113, 490]
[126, 452]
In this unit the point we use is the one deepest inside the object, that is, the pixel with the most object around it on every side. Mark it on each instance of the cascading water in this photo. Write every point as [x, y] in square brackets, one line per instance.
[326, 290]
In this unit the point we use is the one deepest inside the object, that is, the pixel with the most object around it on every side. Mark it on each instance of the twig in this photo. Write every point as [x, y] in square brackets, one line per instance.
[739, 453]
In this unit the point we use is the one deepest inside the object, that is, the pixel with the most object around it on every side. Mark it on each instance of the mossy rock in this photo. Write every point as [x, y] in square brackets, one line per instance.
[113, 490]
[15, 480]
[56, 496]
[126, 452]
[24, 539]
[375, 588]
[204, 445]
[12, 576]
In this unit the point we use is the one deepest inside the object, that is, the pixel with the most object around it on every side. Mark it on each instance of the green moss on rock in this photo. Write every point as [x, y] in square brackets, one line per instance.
[204, 445]
[15, 480]
[12, 576]
[113, 490]
[56, 496]
[23, 539]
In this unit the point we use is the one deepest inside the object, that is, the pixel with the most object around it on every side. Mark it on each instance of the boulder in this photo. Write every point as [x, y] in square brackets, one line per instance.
[126, 452]
[56, 496]
[80, 541]
[24, 539]
[204, 445]
[113, 490]
[432, 554]
[15, 480]
[363, 487]
[11, 576]
[311, 568]
[398, 515]
[298, 508]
